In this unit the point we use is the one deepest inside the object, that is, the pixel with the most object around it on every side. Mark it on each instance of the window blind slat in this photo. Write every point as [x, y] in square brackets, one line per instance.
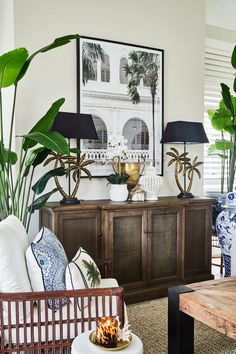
[218, 69]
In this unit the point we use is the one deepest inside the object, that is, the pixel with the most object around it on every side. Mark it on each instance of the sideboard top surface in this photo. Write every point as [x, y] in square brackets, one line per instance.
[107, 204]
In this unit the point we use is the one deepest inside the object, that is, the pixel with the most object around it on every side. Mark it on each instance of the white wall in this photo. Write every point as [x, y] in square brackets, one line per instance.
[175, 26]
[6, 44]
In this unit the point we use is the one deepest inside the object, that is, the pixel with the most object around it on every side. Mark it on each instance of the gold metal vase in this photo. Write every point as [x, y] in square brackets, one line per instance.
[133, 170]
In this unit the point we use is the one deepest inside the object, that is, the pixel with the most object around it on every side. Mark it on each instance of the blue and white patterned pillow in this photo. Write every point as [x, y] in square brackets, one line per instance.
[46, 263]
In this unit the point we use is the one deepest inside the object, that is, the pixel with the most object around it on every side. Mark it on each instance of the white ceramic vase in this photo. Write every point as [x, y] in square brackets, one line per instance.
[150, 182]
[118, 192]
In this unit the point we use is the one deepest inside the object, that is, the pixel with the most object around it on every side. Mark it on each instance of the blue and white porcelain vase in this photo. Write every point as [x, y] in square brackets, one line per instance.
[226, 229]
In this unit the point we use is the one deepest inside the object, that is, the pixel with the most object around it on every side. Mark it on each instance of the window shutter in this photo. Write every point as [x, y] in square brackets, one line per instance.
[218, 69]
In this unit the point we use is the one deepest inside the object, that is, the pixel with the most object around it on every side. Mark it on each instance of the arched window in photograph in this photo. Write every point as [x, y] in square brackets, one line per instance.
[101, 129]
[105, 69]
[136, 132]
[123, 77]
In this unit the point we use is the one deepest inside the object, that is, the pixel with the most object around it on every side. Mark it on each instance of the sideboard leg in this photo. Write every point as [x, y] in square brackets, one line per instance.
[180, 325]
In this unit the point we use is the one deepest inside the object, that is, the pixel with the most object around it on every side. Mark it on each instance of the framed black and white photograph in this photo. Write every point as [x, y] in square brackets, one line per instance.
[121, 86]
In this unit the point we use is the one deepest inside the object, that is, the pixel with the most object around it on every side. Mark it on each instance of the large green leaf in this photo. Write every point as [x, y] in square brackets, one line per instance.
[51, 140]
[36, 157]
[45, 123]
[223, 145]
[58, 42]
[11, 64]
[7, 156]
[40, 185]
[221, 119]
[227, 98]
[41, 201]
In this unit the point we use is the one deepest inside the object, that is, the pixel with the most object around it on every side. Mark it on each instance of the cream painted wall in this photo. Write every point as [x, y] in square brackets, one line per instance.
[6, 44]
[178, 27]
[175, 26]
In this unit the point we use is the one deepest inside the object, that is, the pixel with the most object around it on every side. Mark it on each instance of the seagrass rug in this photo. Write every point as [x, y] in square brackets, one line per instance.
[149, 321]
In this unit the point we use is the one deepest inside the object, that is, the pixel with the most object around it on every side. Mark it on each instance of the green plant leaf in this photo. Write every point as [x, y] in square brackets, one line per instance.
[221, 119]
[115, 178]
[223, 145]
[75, 150]
[233, 58]
[234, 84]
[41, 201]
[36, 157]
[51, 140]
[45, 123]
[7, 156]
[11, 64]
[40, 185]
[227, 98]
[211, 112]
[58, 42]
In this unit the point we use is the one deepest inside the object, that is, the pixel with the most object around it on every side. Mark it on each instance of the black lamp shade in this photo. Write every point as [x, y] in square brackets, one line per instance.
[184, 132]
[75, 125]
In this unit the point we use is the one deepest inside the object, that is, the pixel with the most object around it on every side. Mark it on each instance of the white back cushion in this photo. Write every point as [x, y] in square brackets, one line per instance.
[13, 244]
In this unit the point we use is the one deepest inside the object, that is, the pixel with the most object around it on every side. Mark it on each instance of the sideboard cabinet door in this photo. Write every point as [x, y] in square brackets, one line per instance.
[126, 244]
[164, 244]
[197, 241]
[77, 229]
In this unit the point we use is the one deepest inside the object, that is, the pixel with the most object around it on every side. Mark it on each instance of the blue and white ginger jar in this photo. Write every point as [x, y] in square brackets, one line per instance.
[225, 227]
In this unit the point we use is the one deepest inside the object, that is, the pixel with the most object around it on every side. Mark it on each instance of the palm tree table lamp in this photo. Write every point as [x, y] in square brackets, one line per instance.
[184, 132]
[77, 126]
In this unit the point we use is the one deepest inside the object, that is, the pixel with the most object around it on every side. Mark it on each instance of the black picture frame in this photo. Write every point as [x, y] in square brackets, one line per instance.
[102, 90]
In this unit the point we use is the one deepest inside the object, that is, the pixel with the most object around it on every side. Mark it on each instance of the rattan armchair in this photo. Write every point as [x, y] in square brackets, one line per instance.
[29, 325]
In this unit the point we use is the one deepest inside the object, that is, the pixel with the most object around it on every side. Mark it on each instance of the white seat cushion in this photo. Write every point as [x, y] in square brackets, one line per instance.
[13, 244]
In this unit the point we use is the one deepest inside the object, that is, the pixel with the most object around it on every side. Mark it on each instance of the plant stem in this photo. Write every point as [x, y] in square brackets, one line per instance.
[232, 166]
[4, 198]
[27, 199]
[23, 199]
[29, 215]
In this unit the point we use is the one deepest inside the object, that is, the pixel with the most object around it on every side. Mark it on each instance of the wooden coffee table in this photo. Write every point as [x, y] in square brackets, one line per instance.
[211, 302]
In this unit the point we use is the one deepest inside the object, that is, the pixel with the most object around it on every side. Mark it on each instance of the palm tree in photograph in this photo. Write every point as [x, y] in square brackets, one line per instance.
[144, 66]
[91, 53]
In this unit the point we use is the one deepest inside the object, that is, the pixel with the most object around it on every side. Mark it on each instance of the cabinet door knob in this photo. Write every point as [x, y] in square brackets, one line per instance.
[99, 234]
[146, 231]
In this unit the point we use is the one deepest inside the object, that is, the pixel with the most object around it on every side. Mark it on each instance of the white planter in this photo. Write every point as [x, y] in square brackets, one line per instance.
[118, 192]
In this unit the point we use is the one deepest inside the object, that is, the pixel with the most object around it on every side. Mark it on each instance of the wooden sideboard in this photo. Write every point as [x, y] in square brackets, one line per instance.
[153, 245]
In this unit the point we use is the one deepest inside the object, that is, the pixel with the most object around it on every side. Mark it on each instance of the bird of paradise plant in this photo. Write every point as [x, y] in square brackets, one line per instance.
[184, 165]
[17, 170]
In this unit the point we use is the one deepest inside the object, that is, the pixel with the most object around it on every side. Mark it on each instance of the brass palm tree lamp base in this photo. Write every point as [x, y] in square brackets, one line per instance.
[77, 126]
[184, 132]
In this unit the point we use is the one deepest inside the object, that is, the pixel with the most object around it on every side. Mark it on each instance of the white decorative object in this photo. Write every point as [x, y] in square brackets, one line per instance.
[137, 195]
[226, 231]
[13, 244]
[118, 192]
[150, 182]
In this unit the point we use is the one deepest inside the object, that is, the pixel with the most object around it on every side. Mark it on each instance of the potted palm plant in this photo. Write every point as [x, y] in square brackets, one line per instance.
[18, 194]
